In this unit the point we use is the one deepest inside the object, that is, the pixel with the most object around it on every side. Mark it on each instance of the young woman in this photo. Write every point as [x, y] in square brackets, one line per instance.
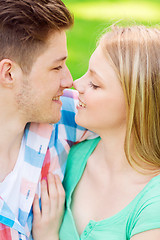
[112, 183]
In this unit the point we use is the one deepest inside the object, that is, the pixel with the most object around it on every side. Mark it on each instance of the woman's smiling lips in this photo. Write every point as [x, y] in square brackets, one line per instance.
[81, 105]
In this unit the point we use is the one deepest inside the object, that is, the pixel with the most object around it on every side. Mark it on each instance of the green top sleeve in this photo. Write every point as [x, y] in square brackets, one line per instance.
[147, 214]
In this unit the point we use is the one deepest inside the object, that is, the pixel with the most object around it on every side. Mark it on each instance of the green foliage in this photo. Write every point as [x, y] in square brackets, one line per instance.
[92, 17]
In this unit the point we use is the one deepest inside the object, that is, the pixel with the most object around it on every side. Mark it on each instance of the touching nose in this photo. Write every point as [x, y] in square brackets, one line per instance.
[78, 85]
[67, 80]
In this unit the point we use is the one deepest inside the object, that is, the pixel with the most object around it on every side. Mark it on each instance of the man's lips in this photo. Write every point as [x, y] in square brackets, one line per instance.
[56, 98]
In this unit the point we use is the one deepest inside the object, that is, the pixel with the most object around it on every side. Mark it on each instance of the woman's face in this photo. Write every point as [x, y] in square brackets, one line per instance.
[101, 100]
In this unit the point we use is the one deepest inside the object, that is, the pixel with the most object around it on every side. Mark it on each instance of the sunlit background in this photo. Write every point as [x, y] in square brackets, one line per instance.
[92, 17]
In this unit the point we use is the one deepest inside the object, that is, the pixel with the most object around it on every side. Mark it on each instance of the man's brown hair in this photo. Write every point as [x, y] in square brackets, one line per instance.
[25, 26]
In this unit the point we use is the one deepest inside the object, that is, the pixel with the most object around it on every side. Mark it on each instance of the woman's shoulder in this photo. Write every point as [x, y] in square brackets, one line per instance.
[152, 188]
[149, 194]
[146, 213]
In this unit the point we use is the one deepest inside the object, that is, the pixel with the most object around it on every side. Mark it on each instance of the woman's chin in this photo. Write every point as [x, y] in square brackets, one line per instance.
[79, 121]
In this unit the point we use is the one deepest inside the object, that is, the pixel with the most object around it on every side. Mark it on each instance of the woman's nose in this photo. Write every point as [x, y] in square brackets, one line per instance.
[79, 85]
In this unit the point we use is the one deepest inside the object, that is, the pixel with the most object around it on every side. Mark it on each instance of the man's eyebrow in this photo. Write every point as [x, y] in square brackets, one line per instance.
[92, 71]
[61, 59]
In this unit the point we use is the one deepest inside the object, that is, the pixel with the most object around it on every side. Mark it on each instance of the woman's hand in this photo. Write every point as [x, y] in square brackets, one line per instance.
[47, 221]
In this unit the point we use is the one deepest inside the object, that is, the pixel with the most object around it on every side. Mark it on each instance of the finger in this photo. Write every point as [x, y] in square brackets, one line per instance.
[53, 193]
[36, 208]
[61, 192]
[52, 190]
[59, 186]
[45, 203]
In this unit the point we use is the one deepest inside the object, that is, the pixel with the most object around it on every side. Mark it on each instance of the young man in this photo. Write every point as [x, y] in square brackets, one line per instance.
[33, 75]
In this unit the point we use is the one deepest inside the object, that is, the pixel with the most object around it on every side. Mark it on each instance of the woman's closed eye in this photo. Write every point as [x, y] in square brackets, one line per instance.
[91, 84]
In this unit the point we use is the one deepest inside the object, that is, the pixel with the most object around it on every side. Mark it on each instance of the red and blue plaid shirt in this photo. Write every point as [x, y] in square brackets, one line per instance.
[47, 147]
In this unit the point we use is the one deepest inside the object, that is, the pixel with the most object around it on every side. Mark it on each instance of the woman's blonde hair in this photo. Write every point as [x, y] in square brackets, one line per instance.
[134, 52]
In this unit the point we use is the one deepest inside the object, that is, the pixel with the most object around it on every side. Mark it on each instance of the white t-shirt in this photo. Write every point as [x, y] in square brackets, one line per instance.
[10, 187]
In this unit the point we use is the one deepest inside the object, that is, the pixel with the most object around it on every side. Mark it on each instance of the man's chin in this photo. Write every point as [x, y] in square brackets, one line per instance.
[55, 120]
[50, 120]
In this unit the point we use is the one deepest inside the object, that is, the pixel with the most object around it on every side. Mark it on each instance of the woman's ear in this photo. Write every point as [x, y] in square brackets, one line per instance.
[6, 79]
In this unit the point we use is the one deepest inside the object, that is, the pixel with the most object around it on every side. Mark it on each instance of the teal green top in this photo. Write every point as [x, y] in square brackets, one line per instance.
[141, 214]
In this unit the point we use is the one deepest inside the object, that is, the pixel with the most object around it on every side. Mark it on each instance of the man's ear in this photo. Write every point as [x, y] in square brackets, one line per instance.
[6, 78]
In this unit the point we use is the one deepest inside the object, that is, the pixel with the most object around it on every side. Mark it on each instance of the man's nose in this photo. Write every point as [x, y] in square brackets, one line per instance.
[67, 80]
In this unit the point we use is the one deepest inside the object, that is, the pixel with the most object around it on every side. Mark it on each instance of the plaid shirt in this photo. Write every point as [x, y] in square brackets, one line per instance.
[46, 149]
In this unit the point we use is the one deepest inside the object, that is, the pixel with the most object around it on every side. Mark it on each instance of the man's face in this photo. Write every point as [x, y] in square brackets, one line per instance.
[38, 94]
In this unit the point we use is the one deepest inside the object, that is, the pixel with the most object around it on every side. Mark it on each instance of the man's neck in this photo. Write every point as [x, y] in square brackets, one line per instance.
[11, 134]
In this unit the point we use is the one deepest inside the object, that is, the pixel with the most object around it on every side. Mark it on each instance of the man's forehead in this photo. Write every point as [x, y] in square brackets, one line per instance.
[57, 44]
[57, 38]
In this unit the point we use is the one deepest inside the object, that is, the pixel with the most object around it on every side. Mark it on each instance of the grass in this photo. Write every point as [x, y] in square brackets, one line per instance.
[92, 17]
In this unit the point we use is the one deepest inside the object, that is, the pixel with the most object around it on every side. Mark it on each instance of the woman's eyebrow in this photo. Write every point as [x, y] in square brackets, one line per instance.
[95, 73]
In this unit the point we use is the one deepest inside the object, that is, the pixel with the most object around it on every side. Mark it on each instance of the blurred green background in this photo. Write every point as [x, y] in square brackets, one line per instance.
[93, 16]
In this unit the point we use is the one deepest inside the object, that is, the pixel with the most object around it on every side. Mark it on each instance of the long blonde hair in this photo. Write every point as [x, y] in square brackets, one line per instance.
[134, 52]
